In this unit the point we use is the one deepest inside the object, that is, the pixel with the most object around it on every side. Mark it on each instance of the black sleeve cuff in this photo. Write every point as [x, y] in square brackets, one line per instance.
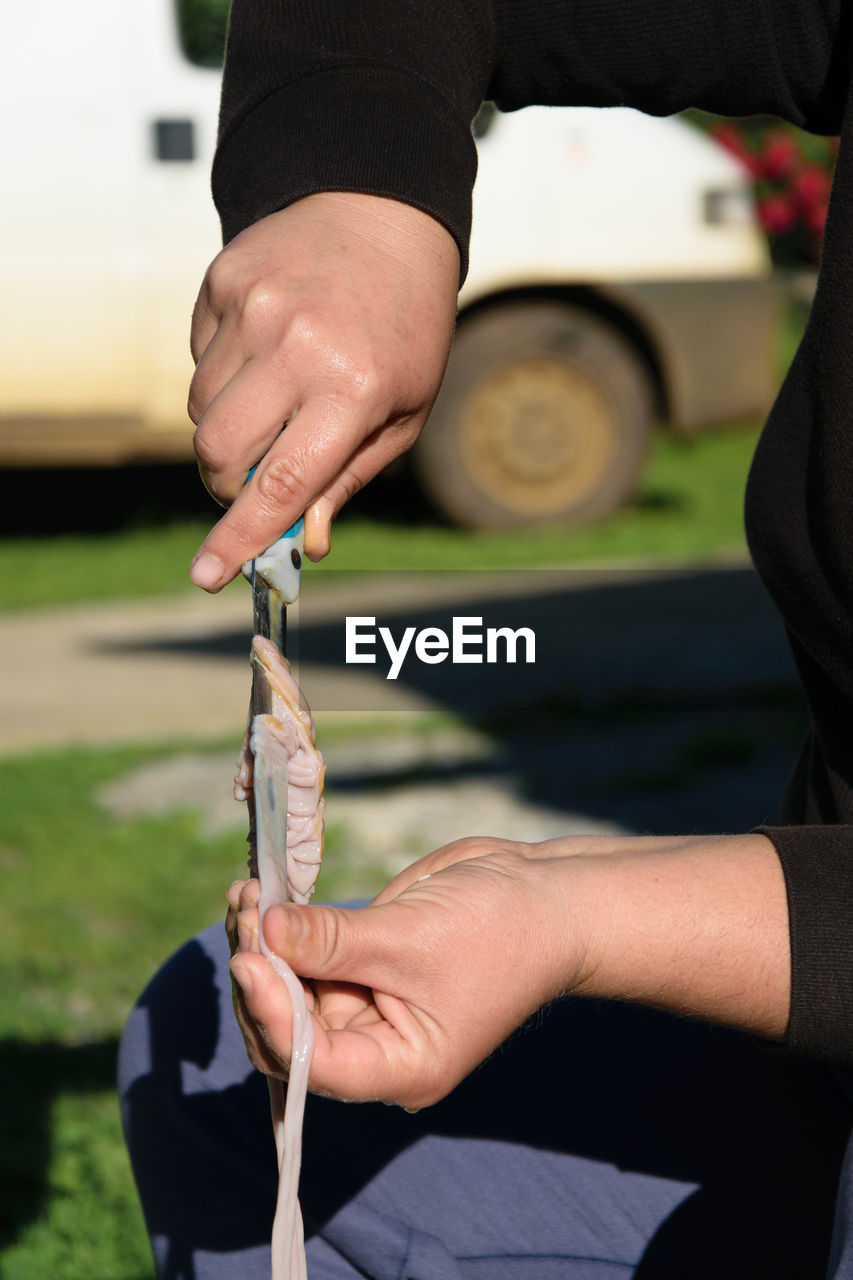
[370, 130]
[817, 862]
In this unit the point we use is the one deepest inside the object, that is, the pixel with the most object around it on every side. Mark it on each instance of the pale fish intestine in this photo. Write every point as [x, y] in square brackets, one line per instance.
[279, 757]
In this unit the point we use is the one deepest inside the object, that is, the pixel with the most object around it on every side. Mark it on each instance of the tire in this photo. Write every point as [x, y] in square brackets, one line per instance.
[543, 417]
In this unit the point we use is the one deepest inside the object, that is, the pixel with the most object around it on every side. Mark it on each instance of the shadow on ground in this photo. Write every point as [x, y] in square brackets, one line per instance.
[79, 499]
[31, 1077]
[658, 701]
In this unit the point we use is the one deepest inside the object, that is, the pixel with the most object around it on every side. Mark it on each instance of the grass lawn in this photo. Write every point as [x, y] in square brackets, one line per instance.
[94, 913]
[94, 904]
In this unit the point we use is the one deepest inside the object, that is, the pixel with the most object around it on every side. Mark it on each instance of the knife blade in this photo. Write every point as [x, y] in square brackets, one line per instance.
[275, 576]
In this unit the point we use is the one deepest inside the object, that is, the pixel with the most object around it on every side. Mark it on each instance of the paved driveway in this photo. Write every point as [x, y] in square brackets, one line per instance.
[658, 700]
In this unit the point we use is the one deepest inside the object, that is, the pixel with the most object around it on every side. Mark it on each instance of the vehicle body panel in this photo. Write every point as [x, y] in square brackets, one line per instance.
[107, 240]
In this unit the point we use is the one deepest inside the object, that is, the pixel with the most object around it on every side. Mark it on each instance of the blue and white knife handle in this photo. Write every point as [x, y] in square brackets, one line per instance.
[280, 566]
[275, 576]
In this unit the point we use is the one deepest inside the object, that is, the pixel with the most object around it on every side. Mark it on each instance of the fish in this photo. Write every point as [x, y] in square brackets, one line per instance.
[287, 737]
[280, 774]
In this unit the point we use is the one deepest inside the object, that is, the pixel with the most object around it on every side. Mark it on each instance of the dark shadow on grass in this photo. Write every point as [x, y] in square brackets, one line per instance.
[47, 501]
[657, 500]
[31, 1077]
[108, 500]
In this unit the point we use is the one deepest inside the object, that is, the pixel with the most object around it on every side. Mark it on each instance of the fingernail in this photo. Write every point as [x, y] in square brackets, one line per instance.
[242, 977]
[207, 571]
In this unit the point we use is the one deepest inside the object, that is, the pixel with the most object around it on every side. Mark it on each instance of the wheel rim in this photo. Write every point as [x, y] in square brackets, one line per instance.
[538, 436]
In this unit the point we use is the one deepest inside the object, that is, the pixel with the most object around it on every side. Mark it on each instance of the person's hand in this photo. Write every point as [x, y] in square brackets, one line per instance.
[334, 316]
[410, 994]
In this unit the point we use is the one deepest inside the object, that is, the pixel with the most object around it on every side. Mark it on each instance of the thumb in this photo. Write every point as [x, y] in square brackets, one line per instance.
[315, 942]
[327, 942]
[369, 1042]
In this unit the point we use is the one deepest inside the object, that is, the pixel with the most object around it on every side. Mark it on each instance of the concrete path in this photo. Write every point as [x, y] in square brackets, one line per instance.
[177, 666]
[119, 672]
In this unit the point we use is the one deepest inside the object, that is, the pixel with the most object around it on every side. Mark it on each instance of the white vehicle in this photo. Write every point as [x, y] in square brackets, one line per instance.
[618, 279]
[617, 276]
[107, 227]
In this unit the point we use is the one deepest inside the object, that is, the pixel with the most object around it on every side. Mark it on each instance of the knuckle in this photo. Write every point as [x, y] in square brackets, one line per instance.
[304, 332]
[196, 343]
[405, 432]
[234, 284]
[348, 486]
[196, 403]
[206, 448]
[262, 308]
[202, 324]
[350, 368]
[361, 385]
[278, 485]
[219, 280]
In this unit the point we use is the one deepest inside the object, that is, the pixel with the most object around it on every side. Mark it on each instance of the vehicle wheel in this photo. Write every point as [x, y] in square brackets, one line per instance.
[544, 416]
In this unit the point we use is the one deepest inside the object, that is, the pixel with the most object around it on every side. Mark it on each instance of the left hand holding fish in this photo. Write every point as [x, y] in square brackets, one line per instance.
[410, 994]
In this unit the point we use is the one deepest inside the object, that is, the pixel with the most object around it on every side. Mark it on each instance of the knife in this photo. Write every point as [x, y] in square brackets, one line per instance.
[275, 576]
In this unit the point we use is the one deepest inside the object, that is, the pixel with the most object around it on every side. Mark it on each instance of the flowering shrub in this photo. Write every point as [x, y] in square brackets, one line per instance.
[792, 174]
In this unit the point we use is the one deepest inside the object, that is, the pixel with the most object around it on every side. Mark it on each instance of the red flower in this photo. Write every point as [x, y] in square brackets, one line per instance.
[791, 192]
[779, 156]
[811, 186]
[777, 214]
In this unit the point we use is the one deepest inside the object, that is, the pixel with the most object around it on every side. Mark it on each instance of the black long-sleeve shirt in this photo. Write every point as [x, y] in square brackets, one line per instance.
[378, 97]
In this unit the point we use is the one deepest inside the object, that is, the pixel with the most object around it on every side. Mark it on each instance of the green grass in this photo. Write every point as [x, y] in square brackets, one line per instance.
[689, 504]
[89, 1225]
[84, 567]
[93, 905]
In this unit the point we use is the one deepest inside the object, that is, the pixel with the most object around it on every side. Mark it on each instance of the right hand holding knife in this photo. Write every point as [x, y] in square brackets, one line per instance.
[334, 315]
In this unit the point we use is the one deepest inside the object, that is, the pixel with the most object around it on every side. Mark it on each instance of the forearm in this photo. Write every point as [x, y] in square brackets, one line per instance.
[319, 97]
[697, 925]
[315, 100]
[694, 924]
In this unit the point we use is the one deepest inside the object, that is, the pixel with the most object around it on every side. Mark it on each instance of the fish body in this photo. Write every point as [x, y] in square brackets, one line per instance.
[282, 742]
[280, 775]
